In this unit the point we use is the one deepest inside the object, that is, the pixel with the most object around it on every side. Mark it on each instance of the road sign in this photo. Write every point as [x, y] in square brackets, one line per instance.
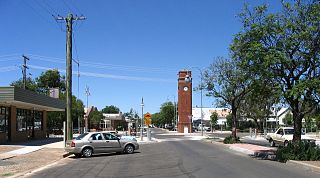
[147, 115]
[147, 120]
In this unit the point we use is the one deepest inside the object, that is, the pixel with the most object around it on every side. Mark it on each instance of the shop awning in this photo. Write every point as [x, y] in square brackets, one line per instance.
[25, 99]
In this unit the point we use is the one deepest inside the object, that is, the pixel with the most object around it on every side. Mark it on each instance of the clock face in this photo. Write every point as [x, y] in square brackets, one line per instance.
[185, 88]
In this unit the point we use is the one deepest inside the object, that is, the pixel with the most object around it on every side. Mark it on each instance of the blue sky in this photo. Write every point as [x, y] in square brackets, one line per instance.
[127, 49]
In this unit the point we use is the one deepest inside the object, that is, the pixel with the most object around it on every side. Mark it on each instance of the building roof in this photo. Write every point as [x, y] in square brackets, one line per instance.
[25, 99]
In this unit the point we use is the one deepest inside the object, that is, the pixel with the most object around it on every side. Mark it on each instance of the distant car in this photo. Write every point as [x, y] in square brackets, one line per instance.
[205, 128]
[169, 126]
[90, 143]
[284, 135]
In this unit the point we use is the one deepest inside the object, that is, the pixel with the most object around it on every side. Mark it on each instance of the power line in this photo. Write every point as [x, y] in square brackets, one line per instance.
[107, 66]
[64, 2]
[77, 9]
[100, 75]
[8, 59]
[8, 68]
[52, 9]
[40, 15]
[9, 55]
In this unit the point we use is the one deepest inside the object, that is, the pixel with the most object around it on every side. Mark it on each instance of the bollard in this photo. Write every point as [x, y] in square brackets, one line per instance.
[255, 133]
[149, 134]
[250, 130]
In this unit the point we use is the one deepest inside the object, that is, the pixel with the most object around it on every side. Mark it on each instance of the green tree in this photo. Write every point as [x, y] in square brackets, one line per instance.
[157, 119]
[95, 118]
[213, 120]
[317, 121]
[284, 47]
[110, 110]
[288, 119]
[229, 121]
[167, 112]
[55, 119]
[50, 79]
[258, 102]
[225, 81]
[30, 84]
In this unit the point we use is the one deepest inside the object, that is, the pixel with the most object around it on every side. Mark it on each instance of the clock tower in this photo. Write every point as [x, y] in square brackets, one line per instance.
[185, 101]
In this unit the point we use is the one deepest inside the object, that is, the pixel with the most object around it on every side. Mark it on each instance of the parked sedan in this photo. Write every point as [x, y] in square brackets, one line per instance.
[91, 143]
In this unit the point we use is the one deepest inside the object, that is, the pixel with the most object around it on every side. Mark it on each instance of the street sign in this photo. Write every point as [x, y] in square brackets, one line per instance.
[147, 120]
[147, 115]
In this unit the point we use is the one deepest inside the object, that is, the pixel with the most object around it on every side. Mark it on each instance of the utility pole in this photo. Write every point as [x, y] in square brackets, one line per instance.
[142, 119]
[69, 21]
[87, 92]
[24, 70]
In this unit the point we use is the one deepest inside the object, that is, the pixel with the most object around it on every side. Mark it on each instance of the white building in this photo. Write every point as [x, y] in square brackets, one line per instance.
[207, 112]
[276, 116]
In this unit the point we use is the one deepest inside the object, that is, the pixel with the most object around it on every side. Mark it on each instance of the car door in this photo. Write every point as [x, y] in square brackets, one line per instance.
[113, 143]
[279, 134]
[97, 141]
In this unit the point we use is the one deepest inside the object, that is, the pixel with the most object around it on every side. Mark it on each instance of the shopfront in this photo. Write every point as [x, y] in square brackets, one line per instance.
[23, 114]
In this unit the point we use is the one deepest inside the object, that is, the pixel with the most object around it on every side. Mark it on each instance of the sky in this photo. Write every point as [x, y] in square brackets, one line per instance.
[127, 49]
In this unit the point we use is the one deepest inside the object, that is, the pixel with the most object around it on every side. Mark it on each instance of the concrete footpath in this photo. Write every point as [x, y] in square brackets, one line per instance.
[269, 153]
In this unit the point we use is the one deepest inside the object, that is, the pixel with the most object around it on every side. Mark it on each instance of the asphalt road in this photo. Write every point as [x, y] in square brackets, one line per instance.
[181, 158]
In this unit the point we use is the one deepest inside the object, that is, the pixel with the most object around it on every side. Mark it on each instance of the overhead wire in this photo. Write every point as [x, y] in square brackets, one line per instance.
[42, 16]
[104, 65]
[100, 75]
[8, 55]
[38, 13]
[64, 2]
[8, 68]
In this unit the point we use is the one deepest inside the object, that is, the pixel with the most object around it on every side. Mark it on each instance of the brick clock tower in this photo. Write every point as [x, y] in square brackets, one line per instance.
[185, 101]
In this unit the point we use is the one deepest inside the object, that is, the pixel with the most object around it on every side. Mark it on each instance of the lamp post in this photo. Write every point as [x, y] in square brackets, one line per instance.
[201, 78]
[141, 127]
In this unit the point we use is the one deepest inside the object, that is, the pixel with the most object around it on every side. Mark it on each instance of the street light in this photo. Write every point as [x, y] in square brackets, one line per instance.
[189, 79]
[141, 127]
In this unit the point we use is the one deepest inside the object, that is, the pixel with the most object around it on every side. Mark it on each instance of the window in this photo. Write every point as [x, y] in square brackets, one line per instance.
[109, 136]
[289, 131]
[21, 120]
[96, 136]
[29, 119]
[38, 118]
[4, 116]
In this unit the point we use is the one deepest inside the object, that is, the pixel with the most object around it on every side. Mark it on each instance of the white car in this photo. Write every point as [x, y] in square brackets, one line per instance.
[284, 135]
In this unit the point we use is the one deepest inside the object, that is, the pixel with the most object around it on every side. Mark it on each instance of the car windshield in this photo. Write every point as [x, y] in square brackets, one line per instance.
[288, 131]
[81, 136]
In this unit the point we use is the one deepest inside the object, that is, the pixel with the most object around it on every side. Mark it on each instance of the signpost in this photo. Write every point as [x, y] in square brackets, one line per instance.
[147, 121]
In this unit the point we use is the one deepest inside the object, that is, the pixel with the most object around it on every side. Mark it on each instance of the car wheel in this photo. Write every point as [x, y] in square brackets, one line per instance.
[78, 155]
[129, 149]
[271, 143]
[87, 152]
[285, 144]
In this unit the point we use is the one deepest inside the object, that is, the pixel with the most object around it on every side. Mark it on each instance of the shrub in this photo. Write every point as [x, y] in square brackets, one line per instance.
[231, 140]
[303, 151]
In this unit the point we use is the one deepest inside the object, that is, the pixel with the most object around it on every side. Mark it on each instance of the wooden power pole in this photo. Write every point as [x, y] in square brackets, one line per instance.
[69, 21]
[24, 70]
